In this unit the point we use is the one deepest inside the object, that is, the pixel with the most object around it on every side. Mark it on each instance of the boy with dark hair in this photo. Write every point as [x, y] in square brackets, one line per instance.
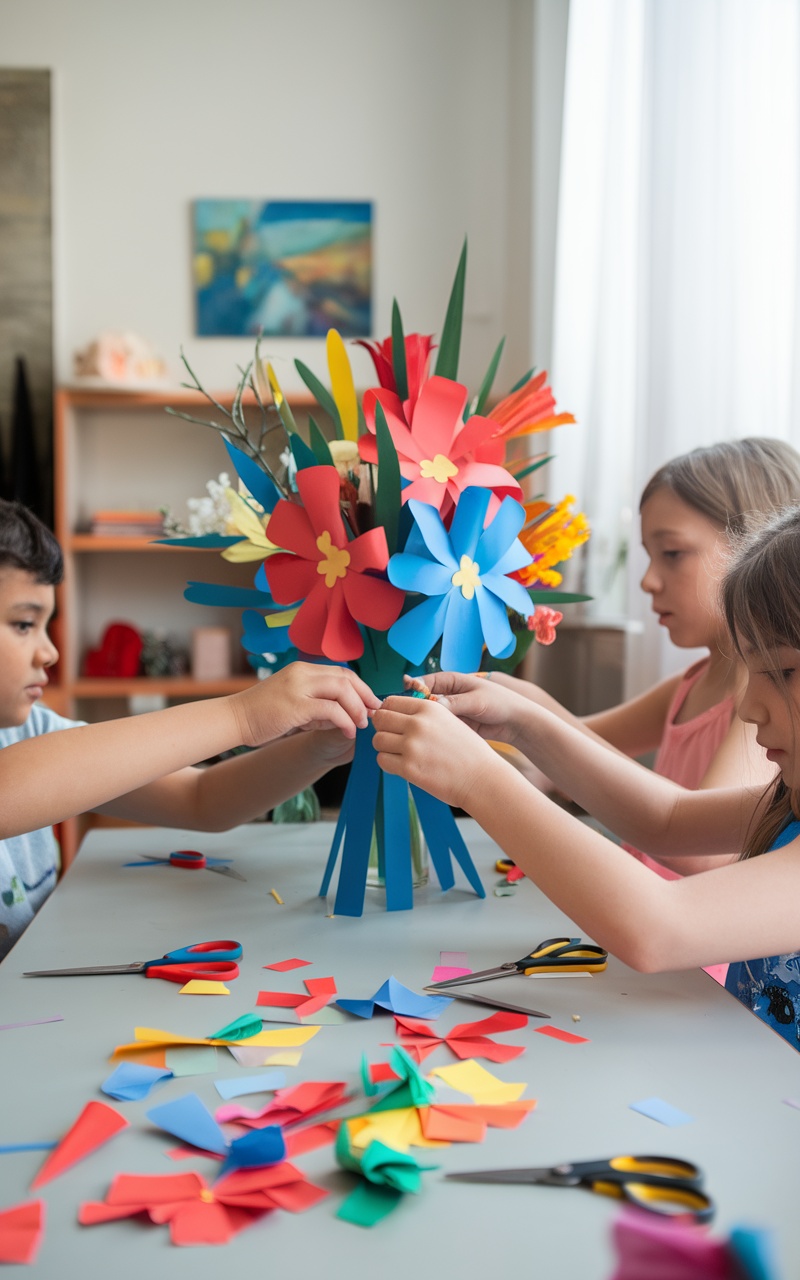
[141, 767]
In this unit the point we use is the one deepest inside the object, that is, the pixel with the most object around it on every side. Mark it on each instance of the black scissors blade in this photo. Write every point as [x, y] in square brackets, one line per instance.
[138, 966]
[493, 1003]
[510, 1177]
[228, 871]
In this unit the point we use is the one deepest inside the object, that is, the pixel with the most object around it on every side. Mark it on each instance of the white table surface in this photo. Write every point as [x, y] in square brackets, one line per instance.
[676, 1036]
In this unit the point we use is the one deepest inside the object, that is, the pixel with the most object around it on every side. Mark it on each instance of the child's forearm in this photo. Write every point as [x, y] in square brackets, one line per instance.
[639, 806]
[46, 779]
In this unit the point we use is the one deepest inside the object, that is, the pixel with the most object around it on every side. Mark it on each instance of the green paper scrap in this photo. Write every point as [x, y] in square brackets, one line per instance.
[240, 1029]
[368, 1204]
[412, 1090]
[190, 1060]
[504, 890]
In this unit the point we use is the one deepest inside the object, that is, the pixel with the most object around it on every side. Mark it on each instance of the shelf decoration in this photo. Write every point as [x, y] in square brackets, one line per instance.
[398, 541]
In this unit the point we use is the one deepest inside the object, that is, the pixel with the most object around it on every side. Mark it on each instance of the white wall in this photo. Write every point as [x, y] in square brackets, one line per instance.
[411, 103]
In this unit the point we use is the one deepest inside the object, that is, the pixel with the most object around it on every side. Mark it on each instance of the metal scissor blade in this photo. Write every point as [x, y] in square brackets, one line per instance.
[507, 1176]
[228, 871]
[490, 1000]
[137, 967]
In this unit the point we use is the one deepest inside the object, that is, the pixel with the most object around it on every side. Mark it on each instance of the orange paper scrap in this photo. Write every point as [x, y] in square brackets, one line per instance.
[94, 1126]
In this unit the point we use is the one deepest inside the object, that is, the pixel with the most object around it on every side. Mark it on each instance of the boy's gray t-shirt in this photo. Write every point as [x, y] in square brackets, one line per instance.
[29, 863]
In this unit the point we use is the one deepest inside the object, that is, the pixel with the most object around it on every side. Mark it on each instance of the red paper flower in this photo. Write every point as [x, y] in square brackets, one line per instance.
[418, 357]
[336, 579]
[544, 622]
[467, 1040]
[197, 1213]
[438, 452]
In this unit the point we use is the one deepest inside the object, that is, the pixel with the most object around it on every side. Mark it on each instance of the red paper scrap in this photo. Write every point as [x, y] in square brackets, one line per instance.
[289, 1106]
[320, 992]
[283, 966]
[467, 1040]
[310, 1137]
[567, 1036]
[21, 1231]
[95, 1125]
[380, 1071]
[198, 1214]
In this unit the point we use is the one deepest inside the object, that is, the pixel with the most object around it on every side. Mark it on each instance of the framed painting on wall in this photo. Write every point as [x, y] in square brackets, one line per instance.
[287, 268]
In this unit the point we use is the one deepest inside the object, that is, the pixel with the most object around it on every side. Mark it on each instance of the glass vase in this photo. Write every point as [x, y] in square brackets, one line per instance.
[418, 849]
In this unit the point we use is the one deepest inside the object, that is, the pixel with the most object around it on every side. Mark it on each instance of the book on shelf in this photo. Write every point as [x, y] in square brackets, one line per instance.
[127, 524]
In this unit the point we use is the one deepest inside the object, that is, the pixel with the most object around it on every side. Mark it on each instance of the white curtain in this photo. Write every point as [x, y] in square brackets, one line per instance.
[676, 295]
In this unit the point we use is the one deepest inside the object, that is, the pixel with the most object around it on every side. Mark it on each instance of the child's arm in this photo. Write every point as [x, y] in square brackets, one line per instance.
[236, 790]
[743, 910]
[632, 728]
[46, 779]
[638, 805]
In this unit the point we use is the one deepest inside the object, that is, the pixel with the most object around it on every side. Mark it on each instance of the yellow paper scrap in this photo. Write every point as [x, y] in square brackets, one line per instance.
[283, 1038]
[398, 1129]
[277, 896]
[152, 1037]
[471, 1078]
[201, 987]
[286, 1058]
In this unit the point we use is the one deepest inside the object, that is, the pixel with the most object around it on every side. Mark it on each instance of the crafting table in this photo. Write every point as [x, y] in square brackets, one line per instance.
[679, 1037]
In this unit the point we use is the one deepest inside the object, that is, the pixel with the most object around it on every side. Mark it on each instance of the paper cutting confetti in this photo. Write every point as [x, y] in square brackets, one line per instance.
[268, 1081]
[283, 966]
[473, 1079]
[202, 987]
[95, 1125]
[663, 1112]
[21, 1231]
[277, 897]
[398, 999]
[444, 972]
[556, 1033]
[191, 1061]
[467, 1040]
[289, 1106]
[132, 1081]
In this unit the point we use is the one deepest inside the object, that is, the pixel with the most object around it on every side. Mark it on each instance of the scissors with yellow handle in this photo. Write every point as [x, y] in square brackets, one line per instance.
[554, 955]
[661, 1184]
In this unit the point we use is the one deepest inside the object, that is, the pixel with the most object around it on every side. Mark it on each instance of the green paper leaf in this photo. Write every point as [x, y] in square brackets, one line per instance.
[450, 344]
[319, 444]
[303, 456]
[544, 596]
[368, 1204]
[322, 394]
[240, 1029]
[399, 353]
[533, 466]
[486, 385]
[387, 499]
[525, 378]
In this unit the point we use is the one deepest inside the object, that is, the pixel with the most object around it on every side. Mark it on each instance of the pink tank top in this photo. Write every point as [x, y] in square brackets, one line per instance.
[687, 749]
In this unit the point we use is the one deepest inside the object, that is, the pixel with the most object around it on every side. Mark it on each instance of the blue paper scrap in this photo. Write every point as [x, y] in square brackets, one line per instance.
[190, 1120]
[255, 1150]
[266, 1081]
[132, 1081]
[657, 1109]
[396, 998]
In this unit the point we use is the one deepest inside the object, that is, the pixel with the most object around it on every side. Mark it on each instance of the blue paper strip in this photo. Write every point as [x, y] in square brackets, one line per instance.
[133, 1080]
[358, 807]
[236, 1086]
[663, 1112]
[397, 844]
[26, 1146]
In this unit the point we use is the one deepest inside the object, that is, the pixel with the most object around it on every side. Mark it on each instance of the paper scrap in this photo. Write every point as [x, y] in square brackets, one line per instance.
[240, 1029]
[663, 1112]
[151, 1038]
[32, 1022]
[237, 1086]
[328, 1016]
[473, 1079]
[247, 1056]
[792, 1102]
[284, 1058]
[467, 1040]
[556, 1033]
[132, 1081]
[289, 1106]
[21, 1231]
[443, 972]
[396, 998]
[191, 1061]
[277, 897]
[283, 966]
[202, 987]
[8, 1147]
[190, 1120]
[96, 1124]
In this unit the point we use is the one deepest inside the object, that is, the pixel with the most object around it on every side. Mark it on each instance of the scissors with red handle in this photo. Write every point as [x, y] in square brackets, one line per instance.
[191, 860]
[210, 960]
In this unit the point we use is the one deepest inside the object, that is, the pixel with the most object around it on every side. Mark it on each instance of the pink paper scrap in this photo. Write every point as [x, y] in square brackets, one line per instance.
[444, 971]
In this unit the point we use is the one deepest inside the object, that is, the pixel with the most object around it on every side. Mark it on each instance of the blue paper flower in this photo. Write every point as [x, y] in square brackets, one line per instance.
[464, 572]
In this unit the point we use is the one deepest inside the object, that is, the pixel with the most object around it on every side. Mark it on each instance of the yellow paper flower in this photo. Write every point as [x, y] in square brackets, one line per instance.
[252, 526]
[551, 534]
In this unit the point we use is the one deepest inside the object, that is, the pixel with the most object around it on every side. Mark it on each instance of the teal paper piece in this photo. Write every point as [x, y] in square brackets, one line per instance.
[189, 1120]
[254, 478]
[754, 1250]
[463, 615]
[133, 1081]
[240, 1029]
[217, 593]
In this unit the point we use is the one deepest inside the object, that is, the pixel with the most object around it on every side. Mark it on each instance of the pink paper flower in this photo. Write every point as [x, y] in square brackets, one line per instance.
[544, 623]
[340, 582]
[439, 453]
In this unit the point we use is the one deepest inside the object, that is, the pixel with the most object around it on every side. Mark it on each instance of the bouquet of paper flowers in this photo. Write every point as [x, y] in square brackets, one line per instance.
[397, 540]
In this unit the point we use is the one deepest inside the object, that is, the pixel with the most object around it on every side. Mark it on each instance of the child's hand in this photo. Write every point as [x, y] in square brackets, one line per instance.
[486, 707]
[304, 695]
[424, 743]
